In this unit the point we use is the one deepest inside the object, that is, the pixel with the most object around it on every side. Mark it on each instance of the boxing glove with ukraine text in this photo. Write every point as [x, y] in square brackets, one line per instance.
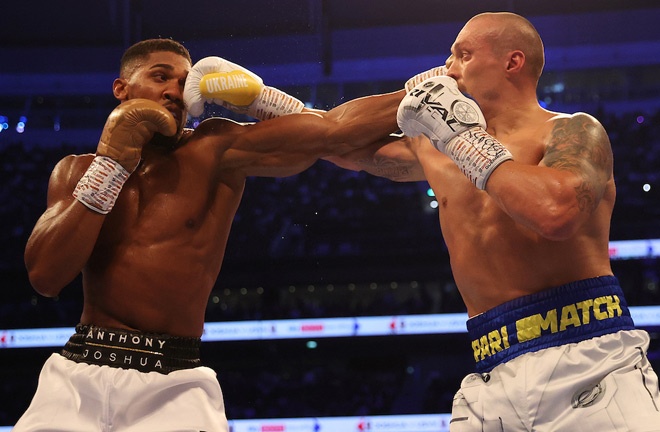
[219, 81]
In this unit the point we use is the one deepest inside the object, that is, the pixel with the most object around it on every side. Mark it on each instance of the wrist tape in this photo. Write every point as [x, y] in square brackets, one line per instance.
[420, 77]
[477, 154]
[273, 103]
[99, 187]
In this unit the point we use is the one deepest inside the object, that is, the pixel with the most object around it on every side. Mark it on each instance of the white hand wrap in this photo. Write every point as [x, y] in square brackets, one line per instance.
[417, 79]
[274, 103]
[99, 187]
[477, 154]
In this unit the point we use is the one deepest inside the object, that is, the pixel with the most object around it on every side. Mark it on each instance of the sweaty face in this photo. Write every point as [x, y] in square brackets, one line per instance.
[160, 78]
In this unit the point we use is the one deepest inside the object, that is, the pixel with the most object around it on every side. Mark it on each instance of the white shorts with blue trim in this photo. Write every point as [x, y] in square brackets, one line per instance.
[601, 384]
[562, 360]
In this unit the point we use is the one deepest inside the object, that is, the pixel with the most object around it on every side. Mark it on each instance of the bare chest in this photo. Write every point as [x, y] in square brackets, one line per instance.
[171, 198]
[464, 210]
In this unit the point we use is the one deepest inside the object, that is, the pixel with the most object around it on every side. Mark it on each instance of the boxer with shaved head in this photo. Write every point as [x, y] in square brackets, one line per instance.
[525, 202]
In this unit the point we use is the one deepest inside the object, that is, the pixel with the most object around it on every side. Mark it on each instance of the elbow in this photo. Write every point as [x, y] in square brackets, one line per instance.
[44, 283]
[44, 287]
[335, 142]
[558, 214]
[559, 224]
[557, 232]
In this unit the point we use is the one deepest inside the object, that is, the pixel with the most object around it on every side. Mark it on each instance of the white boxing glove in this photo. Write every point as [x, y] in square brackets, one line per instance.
[423, 76]
[219, 81]
[455, 125]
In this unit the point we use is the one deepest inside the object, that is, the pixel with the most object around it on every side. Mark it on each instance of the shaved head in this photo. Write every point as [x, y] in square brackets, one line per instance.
[506, 32]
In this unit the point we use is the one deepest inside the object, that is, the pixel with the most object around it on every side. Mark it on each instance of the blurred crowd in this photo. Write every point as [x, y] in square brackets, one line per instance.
[327, 242]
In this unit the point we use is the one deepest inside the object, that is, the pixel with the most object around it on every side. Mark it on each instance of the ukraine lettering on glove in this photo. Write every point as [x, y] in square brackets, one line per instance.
[219, 81]
[235, 87]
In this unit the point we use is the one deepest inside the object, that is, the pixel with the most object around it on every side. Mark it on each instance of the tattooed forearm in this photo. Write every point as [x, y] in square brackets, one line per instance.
[391, 169]
[579, 145]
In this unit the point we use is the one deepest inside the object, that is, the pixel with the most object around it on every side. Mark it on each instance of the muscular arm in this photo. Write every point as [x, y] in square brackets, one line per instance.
[286, 145]
[393, 157]
[556, 197]
[64, 236]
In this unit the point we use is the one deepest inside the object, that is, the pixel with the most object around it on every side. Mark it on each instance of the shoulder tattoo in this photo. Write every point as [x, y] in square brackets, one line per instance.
[580, 145]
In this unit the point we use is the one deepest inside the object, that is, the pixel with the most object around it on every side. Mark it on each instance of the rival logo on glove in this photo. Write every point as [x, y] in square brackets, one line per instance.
[460, 111]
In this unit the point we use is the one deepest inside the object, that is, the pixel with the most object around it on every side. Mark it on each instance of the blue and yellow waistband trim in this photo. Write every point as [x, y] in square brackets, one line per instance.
[566, 314]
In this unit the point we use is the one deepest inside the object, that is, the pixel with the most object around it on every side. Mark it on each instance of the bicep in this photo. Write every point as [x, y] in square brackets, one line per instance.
[278, 147]
[580, 146]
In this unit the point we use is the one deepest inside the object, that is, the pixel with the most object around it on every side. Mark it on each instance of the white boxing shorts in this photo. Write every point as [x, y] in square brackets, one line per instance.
[76, 396]
[567, 359]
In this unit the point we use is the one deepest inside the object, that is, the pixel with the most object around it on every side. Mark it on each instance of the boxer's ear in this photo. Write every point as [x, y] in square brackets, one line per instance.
[515, 61]
[120, 89]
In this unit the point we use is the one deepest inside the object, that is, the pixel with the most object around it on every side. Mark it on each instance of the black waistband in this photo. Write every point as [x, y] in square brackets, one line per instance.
[566, 314]
[127, 349]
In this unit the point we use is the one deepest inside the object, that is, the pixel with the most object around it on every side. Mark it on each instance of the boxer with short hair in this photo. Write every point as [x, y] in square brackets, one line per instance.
[146, 220]
[525, 202]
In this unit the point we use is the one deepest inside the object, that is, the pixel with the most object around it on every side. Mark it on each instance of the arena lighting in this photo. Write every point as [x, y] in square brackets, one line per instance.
[397, 325]
[644, 316]
[398, 423]
[557, 87]
[384, 423]
[634, 249]
[20, 126]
